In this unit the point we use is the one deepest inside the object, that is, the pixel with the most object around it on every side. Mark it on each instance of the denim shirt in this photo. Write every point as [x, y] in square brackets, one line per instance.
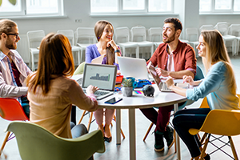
[7, 87]
[215, 87]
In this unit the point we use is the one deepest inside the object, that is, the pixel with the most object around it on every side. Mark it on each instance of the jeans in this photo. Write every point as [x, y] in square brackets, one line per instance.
[79, 130]
[186, 119]
[25, 105]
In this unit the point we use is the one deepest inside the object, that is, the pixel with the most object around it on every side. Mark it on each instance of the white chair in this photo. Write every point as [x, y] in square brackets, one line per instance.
[34, 39]
[155, 35]
[234, 29]
[222, 27]
[192, 37]
[121, 36]
[138, 34]
[84, 37]
[70, 35]
[206, 27]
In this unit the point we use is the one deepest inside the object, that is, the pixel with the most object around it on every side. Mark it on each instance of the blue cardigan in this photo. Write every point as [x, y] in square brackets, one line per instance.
[215, 87]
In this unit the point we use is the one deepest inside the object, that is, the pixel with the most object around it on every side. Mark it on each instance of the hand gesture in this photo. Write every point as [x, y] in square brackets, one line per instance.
[113, 44]
[188, 79]
[162, 72]
[169, 82]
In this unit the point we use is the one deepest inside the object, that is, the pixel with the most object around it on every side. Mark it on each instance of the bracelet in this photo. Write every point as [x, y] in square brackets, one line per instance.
[116, 51]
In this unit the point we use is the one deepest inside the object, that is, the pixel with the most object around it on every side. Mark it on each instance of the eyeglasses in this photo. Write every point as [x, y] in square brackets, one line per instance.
[15, 34]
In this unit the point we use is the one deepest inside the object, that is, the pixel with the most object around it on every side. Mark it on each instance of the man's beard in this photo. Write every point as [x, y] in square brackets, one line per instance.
[169, 39]
[10, 45]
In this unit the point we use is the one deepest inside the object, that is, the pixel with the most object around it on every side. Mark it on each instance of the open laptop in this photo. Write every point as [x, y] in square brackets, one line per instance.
[102, 76]
[162, 85]
[133, 67]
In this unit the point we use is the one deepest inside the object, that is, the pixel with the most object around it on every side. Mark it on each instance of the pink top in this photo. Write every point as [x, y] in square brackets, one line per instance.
[53, 110]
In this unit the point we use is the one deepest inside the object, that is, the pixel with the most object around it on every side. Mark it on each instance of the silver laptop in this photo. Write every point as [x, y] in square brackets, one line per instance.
[102, 76]
[133, 67]
[161, 85]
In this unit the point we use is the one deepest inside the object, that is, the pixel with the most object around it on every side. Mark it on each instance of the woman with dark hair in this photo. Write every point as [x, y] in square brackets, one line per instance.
[104, 47]
[51, 92]
[219, 86]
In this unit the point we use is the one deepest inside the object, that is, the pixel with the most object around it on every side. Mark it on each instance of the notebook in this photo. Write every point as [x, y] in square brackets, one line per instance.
[100, 75]
[161, 85]
[133, 67]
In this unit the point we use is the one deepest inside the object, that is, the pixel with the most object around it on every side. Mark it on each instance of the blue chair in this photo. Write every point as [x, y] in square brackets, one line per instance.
[199, 74]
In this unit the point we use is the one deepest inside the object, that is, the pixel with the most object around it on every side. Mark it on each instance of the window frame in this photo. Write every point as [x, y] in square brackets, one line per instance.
[219, 11]
[23, 12]
[120, 10]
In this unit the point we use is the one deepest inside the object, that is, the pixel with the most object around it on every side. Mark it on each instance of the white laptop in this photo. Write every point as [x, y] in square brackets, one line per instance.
[100, 75]
[133, 67]
[162, 85]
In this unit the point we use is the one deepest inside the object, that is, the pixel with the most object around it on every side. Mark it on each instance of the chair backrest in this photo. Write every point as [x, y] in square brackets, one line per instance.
[138, 34]
[199, 74]
[234, 29]
[222, 122]
[85, 35]
[35, 38]
[10, 109]
[222, 27]
[35, 142]
[79, 69]
[121, 35]
[155, 34]
[192, 34]
[69, 34]
[206, 27]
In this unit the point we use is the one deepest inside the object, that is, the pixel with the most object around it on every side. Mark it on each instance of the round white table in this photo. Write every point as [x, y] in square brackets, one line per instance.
[140, 101]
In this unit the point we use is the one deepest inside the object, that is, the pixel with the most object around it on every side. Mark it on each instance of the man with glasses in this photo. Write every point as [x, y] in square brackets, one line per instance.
[13, 71]
[176, 59]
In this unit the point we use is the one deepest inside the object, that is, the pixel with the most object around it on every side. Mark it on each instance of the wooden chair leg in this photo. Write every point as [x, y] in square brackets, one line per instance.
[90, 120]
[233, 148]
[204, 147]
[82, 116]
[114, 117]
[149, 129]
[4, 142]
[174, 135]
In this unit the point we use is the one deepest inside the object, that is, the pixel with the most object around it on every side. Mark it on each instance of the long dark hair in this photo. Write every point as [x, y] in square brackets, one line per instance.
[55, 60]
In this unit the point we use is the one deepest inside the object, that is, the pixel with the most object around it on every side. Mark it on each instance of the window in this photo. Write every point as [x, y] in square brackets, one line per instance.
[31, 7]
[131, 6]
[219, 6]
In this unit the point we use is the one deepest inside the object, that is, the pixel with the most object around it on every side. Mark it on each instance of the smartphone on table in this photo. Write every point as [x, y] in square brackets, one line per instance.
[113, 100]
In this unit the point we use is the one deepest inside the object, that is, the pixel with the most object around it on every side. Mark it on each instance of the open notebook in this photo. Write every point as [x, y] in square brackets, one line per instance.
[161, 85]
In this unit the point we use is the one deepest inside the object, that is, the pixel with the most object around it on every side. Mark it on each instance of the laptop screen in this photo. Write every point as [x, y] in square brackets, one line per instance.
[100, 75]
[133, 67]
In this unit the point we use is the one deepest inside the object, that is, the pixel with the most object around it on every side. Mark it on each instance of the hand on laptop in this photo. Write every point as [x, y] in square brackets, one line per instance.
[91, 89]
[162, 72]
[169, 82]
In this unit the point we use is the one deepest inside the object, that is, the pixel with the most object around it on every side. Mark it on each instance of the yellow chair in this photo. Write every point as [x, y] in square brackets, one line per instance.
[216, 124]
[79, 69]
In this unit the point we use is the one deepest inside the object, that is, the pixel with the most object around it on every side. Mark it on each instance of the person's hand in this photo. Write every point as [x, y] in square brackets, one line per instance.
[113, 44]
[118, 72]
[162, 72]
[169, 82]
[188, 79]
[91, 89]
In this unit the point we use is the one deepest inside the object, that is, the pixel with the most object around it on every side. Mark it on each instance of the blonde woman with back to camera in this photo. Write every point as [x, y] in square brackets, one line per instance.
[219, 86]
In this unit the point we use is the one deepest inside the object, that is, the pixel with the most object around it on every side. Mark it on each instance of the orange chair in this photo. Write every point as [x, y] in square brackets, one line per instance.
[10, 109]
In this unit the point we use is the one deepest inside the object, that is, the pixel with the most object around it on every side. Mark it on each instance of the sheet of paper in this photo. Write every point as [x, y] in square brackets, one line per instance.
[98, 60]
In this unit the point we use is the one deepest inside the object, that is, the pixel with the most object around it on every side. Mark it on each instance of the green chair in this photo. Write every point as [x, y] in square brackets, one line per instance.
[79, 69]
[35, 142]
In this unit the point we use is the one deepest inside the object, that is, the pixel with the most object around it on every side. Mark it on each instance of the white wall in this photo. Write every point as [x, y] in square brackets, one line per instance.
[185, 10]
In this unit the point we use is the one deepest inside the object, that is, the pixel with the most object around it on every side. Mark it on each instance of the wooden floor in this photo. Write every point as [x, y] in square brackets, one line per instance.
[145, 150]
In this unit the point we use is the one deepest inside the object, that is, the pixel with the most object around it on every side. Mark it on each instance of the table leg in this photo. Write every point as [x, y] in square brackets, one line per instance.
[177, 137]
[118, 126]
[132, 134]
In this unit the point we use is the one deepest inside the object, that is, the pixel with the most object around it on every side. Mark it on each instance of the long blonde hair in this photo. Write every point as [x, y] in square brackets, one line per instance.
[215, 52]
[55, 60]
